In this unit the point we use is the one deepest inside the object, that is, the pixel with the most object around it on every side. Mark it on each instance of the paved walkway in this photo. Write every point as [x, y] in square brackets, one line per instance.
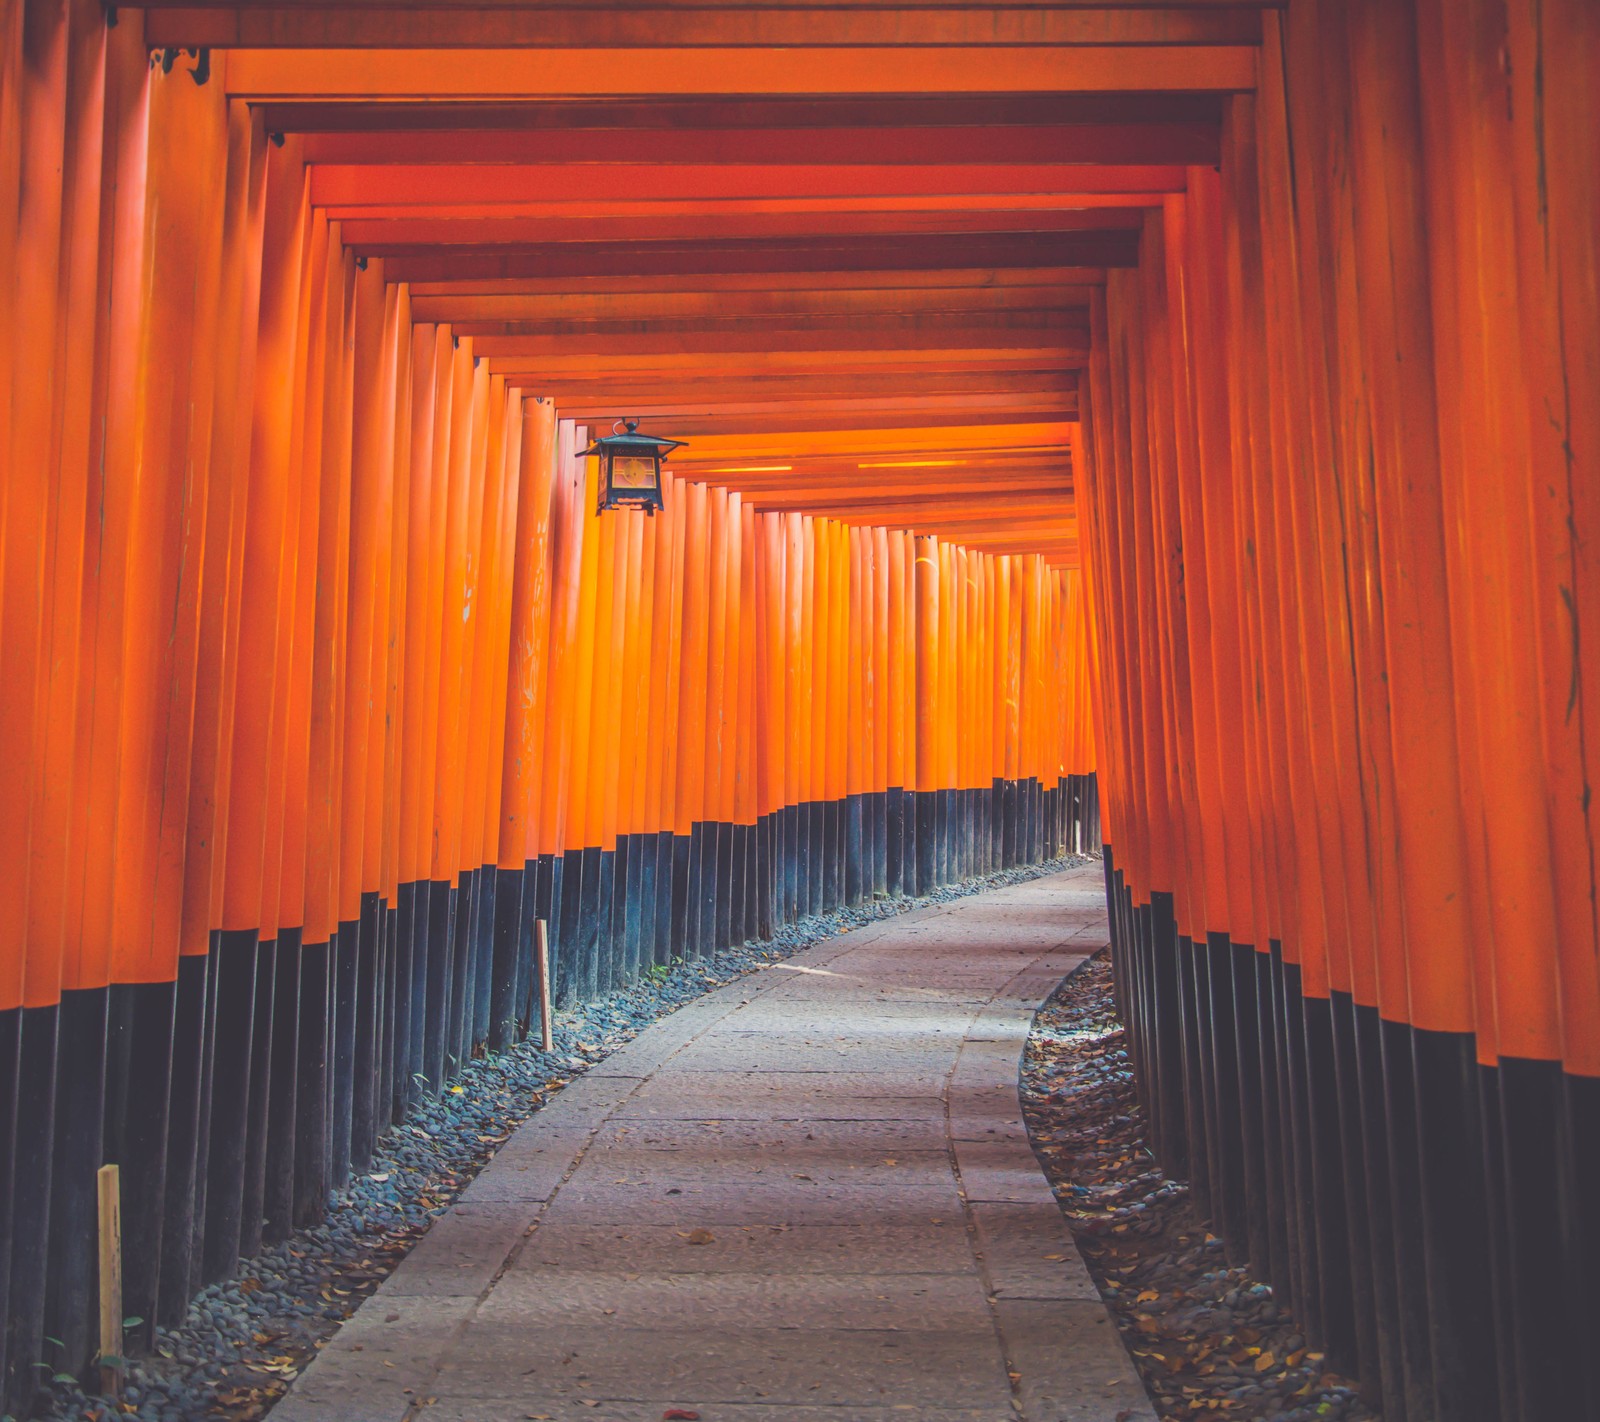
[806, 1196]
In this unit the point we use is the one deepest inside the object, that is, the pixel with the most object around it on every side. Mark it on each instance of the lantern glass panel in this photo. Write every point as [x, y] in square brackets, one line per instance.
[634, 471]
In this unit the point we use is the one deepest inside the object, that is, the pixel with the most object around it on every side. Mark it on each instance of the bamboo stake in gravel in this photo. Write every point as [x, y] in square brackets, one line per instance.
[541, 939]
[110, 1189]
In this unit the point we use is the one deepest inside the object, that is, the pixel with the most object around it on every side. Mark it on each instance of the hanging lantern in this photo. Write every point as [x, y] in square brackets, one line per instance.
[630, 468]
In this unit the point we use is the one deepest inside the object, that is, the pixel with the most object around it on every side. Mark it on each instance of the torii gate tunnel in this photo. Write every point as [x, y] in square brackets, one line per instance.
[1171, 426]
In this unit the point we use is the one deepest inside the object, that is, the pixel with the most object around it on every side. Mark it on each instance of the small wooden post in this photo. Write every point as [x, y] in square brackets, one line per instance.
[542, 944]
[109, 1182]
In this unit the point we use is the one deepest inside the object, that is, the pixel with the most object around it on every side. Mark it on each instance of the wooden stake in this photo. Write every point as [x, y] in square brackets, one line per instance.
[110, 1189]
[541, 939]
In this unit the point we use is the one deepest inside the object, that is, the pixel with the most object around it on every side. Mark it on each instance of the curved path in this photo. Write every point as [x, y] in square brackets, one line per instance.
[806, 1196]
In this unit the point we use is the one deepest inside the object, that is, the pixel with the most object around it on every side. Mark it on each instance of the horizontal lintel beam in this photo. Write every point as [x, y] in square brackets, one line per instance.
[439, 24]
[378, 75]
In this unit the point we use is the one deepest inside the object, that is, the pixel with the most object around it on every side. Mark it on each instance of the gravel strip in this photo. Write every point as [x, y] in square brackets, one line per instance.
[1206, 1338]
[244, 1341]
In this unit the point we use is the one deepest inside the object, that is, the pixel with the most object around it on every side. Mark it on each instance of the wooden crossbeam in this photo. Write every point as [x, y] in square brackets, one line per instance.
[823, 419]
[1115, 213]
[642, 118]
[974, 438]
[349, 187]
[988, 279]
[888, 490]
[436, 25]
[670, 391]
[1036, 344]
[843, 252]
[725, 306]
[527, 137]
[471, 73]
[914, 330]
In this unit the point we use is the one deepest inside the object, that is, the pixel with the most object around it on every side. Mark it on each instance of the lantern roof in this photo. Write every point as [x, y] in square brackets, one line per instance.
[632, 441]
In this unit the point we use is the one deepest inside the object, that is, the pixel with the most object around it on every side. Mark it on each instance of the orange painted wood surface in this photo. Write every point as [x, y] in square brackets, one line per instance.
[1221, 413]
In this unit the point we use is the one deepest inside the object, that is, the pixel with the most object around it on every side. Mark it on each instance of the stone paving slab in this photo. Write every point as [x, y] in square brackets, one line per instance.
[607, 1301]
[528, 1167]
[883, 1168]
[1028, 1253]
[462, 1251]
[971, 1125]
[791, 1202]
[379, 1363]
[809, 1057]
[857, 1139]
[1100, 1383]
[833, 1367]
[789, 1101]
[1002, 1170]
[808, 1197]
[806, 1249]
[474, 1409]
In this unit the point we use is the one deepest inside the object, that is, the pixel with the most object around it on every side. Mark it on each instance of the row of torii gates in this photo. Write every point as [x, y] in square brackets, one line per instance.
[1171, 426]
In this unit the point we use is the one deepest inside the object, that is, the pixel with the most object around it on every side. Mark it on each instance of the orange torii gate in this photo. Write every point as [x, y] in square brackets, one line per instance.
[1203, 394]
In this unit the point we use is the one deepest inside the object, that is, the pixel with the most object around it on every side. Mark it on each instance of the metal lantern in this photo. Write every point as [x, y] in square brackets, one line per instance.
[630, 468]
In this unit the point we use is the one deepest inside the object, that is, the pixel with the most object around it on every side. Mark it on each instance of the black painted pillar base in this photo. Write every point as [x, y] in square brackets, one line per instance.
[605, 944]
[677, 944]
[278, 1202]
[71, 1271]
[30, 1204]
[507, 935]
[856, 869]
[894, 799]
[252, 1203]
[664, 948]
[484, 917]
[583, 883]
[10, 1084]
[230, 1099]
[345, 986]
[184, 1123]
[410, 914]
[138, 1080]
[369, 1079]
[311, 1086]
[627, 907]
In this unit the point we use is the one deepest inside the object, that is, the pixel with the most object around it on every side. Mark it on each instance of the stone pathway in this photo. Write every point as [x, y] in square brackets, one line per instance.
[806, 1196]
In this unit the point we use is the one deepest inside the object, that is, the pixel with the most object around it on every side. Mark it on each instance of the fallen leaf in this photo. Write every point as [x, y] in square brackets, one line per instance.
[701, 1236]
[680, 1414]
